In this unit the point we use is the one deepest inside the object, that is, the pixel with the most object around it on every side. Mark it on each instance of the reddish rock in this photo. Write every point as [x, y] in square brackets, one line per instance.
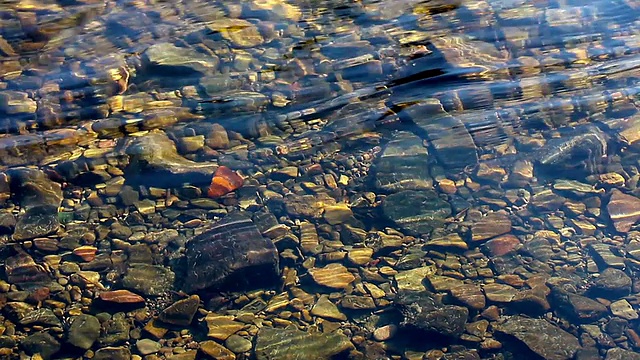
[86, 253]
[121, 297]
[502, 245]
[490, 226]
[224, 181]
[624, 210]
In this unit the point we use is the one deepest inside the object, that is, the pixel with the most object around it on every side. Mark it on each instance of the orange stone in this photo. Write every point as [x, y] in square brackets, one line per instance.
[224, 181]
[121, 297]
[86, 253]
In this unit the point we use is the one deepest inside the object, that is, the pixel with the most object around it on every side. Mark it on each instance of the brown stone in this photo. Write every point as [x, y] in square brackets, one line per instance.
[216, 351]
[490, 226]
[121, 297]
[624, 210]
[470, 295]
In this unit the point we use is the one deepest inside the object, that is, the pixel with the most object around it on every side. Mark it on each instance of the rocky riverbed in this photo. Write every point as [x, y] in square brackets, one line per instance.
[281, 180]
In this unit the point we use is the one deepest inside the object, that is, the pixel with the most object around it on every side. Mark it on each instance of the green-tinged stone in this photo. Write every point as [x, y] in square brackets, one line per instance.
[326, 309]
[413, 279]
[416, 212]
[547, 340]
[150, 280]
[403, 165]
[84, 331]
[291, 344]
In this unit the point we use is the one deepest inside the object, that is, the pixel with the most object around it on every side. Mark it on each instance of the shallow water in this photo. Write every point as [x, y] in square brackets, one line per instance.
[459, 171]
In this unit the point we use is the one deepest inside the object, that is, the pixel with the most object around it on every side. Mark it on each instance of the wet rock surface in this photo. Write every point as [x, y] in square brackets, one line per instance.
[232, 253]
[543, 338]
[294, 344]
[411, 184]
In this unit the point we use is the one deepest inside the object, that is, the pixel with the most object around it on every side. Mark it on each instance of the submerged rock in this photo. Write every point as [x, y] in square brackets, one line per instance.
[547, 340]
[612, 284]
[416, 212]
[40, 197]
[166, 59]
[403, 165]
[154, 161]
[624, 210]
[291, 344]
[421, 311]
[231, 254]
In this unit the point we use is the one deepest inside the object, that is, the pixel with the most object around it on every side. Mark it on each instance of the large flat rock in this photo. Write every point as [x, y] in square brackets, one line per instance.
[543, 338]
[231, 255]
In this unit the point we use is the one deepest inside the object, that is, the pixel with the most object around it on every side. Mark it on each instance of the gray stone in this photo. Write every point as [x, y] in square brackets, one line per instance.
[231, 254]
[612, 284]
[40, 198]
[621, 354]
[291, 344]
[154, 161]
[147, 346]
[42, 316]
[416, 212]
[238, 344]
[40, 343]
[113, 353]
[151, 280]
[115, 330]
[547, 340]
[166, 59]
[84, 331]
[422, 311]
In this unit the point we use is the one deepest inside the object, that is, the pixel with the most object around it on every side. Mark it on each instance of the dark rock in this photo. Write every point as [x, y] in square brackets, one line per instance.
[40, 197]
[36, 222]
[42, 316]
[84, 331]
[416, 212]
[576, 307]
[40, 343]
[547, 340]
[115, 331]
[273, 344]
[612, 284]
[7, 222]
[421, 311]
[150, 280]
[154, 161]
[21, 268]
[616, 327]
[181, 312]
[33, 187]
[231, 254]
